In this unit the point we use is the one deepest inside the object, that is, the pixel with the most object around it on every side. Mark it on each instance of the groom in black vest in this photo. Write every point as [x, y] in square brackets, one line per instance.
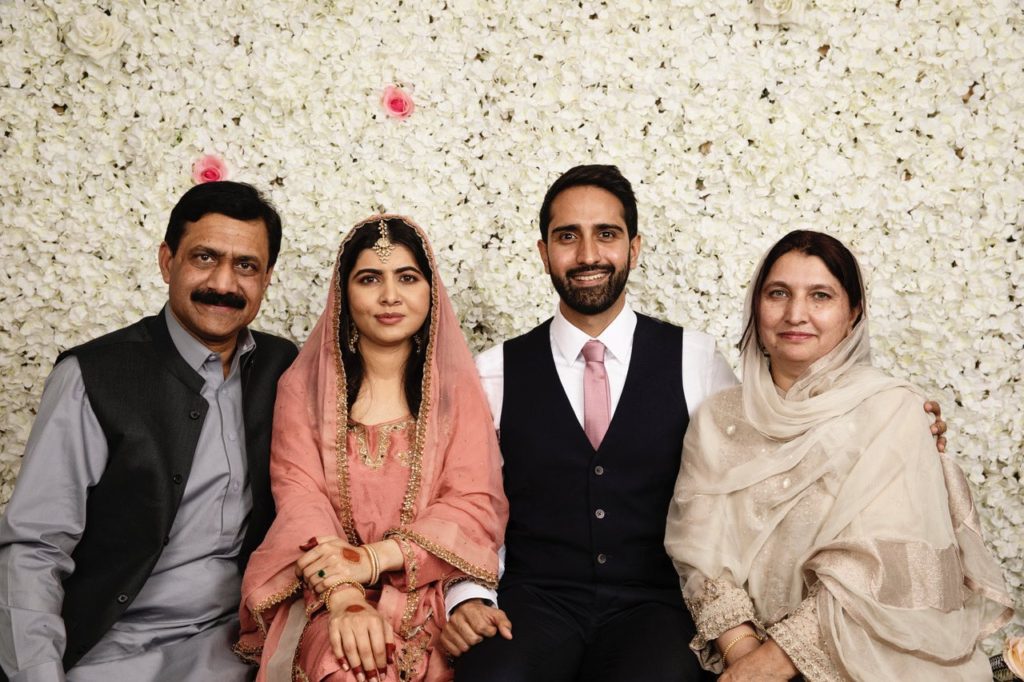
[145, 483]
[591, 408]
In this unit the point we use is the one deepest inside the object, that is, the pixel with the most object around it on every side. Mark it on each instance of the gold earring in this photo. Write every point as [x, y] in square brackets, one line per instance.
[353, 337]
[418, 342]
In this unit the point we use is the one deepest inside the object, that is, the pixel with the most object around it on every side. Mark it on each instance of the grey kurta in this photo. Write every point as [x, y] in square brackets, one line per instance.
[182, 622]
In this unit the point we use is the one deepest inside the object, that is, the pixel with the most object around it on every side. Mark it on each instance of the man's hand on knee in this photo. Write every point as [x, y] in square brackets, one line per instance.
[471, 622]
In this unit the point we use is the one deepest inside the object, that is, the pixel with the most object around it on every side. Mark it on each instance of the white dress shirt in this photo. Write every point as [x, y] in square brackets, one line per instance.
[705, 372]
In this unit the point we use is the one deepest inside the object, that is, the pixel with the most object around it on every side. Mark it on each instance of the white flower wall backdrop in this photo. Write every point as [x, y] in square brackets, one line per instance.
[893, 124]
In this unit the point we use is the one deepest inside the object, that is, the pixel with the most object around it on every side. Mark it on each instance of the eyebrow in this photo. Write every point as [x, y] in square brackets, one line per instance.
[780, 283]
[376, 271]
[598, 226]
[202, 248]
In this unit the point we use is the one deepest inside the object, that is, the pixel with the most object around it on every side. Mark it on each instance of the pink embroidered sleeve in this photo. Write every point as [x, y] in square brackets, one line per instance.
[421, 567]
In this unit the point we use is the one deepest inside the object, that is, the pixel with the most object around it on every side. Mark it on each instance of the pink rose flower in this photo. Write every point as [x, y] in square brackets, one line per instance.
[209, 168]
[397, 103]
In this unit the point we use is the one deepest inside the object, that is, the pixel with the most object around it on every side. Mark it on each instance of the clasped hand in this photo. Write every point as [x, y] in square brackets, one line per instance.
[331, 561]
[470, 623]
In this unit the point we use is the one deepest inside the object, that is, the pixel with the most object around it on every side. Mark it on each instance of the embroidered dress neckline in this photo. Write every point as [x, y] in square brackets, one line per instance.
[391, 422]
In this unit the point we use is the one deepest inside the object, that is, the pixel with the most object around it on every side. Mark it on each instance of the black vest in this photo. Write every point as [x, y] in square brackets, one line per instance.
[578, 516]
[147, 400]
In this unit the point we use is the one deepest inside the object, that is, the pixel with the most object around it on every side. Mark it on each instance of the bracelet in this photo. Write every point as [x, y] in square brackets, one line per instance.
[371, 554]
[730, 645]
[341, 583]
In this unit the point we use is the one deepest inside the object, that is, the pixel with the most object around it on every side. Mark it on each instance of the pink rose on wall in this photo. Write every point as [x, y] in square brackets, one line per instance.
[209, 168]
[397, 103]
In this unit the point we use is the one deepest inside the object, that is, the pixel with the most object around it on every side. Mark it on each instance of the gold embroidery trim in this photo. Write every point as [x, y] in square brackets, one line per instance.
[341, 408]
[376, 460]
[411, 566]
[406, 628]
[488, 578]
[298, 674]
[249, 654]
[416, 456]
[449, 583]
[719, 606]
[273, 600]
[410, 656]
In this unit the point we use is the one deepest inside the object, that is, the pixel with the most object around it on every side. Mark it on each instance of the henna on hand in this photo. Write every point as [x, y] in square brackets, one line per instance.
[350, 555]
[354, 608]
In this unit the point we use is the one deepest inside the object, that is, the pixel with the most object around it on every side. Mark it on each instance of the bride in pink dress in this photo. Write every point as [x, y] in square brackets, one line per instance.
[385, 472]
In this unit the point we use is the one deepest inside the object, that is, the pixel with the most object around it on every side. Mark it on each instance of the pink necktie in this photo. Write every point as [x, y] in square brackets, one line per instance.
[597, 412]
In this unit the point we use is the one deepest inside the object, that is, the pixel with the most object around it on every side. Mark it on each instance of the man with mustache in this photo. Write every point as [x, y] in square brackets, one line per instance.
[591, 408]
[144, 486]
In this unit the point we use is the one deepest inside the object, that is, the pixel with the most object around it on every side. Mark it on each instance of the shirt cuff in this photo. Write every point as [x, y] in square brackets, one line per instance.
[464, 591]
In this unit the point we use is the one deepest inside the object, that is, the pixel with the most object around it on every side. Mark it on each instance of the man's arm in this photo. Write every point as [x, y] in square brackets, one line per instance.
[705, 370]
[65, 455]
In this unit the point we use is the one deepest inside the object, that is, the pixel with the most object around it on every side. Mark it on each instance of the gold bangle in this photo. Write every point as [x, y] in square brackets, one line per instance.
[341, 583]
[371, 554]
[730, 645]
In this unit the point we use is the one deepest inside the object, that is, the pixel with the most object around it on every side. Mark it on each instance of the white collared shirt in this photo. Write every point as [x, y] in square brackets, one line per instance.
[705, 372]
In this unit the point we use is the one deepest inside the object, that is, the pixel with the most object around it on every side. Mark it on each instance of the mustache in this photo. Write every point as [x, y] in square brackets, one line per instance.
[589, 269]
[211, 297]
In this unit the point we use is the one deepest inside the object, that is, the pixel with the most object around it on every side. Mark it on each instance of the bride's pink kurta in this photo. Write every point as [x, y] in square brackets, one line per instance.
[438, 492]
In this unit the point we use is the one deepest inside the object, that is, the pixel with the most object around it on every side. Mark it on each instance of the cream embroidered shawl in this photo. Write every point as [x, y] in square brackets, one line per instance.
[825, 517]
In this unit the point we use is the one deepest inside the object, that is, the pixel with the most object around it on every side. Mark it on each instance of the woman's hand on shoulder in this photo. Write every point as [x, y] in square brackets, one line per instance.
[938, 426]
[360, 637]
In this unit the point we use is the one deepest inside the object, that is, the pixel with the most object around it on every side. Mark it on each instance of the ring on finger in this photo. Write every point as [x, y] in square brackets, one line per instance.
[322, 573]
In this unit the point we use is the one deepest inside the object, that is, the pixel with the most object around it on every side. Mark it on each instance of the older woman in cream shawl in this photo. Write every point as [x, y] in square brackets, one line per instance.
[814, 528]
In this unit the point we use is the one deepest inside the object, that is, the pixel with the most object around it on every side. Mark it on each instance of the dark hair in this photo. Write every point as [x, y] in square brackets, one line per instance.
[236, 200]
[837, 258]
[365, 237]
[607, 178]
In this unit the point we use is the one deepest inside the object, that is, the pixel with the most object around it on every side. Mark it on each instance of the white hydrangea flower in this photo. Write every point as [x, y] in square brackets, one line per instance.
[892, 127]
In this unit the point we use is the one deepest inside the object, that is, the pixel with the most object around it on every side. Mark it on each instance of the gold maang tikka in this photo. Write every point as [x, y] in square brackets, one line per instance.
[383, 246]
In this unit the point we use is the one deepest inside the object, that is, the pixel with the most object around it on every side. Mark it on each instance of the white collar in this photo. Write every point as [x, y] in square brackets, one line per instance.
[568, 340]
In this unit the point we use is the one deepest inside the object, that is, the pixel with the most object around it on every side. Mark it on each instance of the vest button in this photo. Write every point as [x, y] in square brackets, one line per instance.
[122, 599]
[599, 513]
[599, 470]
[177, 478]
[194, 414]
[602, 559]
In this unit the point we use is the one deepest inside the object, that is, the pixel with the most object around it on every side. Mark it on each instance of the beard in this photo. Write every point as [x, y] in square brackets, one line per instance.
[591, 300]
